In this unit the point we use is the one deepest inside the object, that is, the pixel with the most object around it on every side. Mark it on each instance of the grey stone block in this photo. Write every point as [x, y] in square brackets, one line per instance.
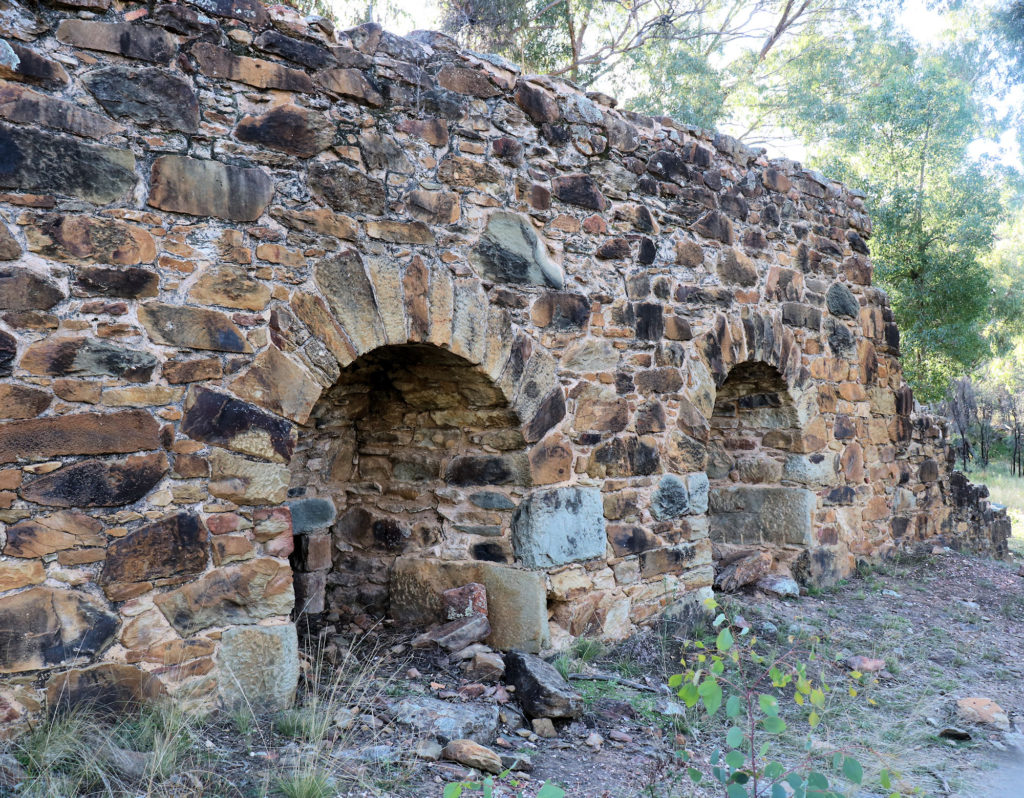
[259, 666]
[671, 499]
[750, 515]
[553, 527]
[310, 514]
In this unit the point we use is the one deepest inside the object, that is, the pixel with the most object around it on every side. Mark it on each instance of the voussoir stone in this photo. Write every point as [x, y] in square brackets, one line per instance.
[237, 594]
[89, 238]
[347, 189]
[38, 161]
[87, 357]
[209, 188]
[259, 666]
[23, 289]
[43, 627]
[559, 525]
[197, 328]
[219, 62]
[223, 420]
[511, 251]
[147, 95]
[143, 42]
[276, 382]
[98, 483]
[288, 128]
[79, 433]
[540, 689]
[175, 547]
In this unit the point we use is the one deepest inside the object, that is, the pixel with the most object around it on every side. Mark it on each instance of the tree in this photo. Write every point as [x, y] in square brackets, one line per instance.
[896, 119]
[962, 409]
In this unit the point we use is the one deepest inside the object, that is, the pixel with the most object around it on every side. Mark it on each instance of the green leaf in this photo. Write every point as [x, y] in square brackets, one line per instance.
[724, 641]
[769, 704]
[778, 791]
[734, 738]
[837, 760]
[817, 780]
[737, 791]
[695, 775]
[711, 693]
[551, 790]
[773, 770]
[489, 787]
[852, 770]
[675, 680]
[718, 667]
[689, 694]
[735, 759]
[885, 779]
[732, 706]
[817, 698]
[453, 790]
[774, 724]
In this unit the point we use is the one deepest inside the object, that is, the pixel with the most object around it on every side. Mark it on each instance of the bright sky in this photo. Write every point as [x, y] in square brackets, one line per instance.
[926, 25]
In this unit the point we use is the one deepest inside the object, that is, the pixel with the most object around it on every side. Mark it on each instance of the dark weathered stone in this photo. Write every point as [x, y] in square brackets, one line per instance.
[124, 38]
[288, 128]
[251, 12]
[735, 267]
[238, 594]
[714, 225]
[79, 433]
[22, 289]
[22, 104]
[31, 67]
[800, 315]
[209, 188]
[98, 483]
[841, 301]
[350, 83]
[510, 251]
[108, 689]
[186, 21]
[671, 499]
[173, 547]
[550, 411]
[756, 515]
[650, 321]
[579, 190]
[540, 106]
[473, 82]
[483, 470]
[10, 249]
[311, 514]
[434, 718]
[219, 62]
[42, 627]
[347, 189]
[198, 328]
[147, 95]
[222, 420]
[88, 357]
[456, 635]
[8, 351]
[34, 160]
[299, 51]
[840, 339]
[128, 283]
[559, 525]
[623, 457]
[540, 689]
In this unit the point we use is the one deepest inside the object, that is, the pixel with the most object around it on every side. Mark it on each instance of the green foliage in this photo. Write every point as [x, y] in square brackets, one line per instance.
[486, 787]
[750, 683]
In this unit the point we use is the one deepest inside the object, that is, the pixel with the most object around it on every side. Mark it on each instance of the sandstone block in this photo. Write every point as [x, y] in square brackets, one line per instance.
[230, 287]
[79, 433]
[319, 220]
[474, 755]
[754, 515]
[736, 268]
[251, 12]
[245, 481]
[126, 283]
[197, 328]
[30, 66]
[308, 515]
[288, 128]
[222, 420]
[39, 161]
[174, 548]
[511, 251]
[142, 42]
[538, 104]
[77, 238]
[146, 95]
[346, 189]
[350, 83]
[20, 401]
[258, 667]
[98, 483]
[22, 104]
[580, 190]
[219, 62]
[108, 688]
[560, 525]
[22, 289]
[237, 594]
[299, 51]
[209, 188]
[841, 301]
[434, 718]
[47, 534]
[87, 357]
[181, 371]
[42, 627]
[671, 499]
[540, 689]
[16, 574]
[467, 81]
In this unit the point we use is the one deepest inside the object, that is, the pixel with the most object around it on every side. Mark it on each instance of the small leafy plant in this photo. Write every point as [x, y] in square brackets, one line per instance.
[486, 785]
[734, 674]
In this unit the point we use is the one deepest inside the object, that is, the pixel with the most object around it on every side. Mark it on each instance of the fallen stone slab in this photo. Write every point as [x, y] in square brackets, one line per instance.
[474, 755]
[455, 635]
[445, 720]
[541, 690]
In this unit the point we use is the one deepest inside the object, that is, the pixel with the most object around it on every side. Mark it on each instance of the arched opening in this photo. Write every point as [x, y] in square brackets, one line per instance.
[421, 455]
[755, 498]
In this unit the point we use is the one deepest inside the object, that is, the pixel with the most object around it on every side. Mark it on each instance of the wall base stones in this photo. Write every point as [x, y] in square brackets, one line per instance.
[297, 323]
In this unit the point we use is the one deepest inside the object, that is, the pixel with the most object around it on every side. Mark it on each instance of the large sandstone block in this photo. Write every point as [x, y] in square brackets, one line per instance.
[245, 481]
[42, 627]
[23, 289]
[209, 188]
[146, 95]
[280, 385]
[172, 549]
[77, 238]
[516, 598]
[22, 104]
[109, 688]
[87, 357]
[754, 515]
[560, 525]
[98, 483]
[347, 189]
[219, 62]
[258, 666]
[197, 328]
[79, 433]
[143, 42]
[225, 421]
[47, 534]
[237, 594]
[288, 128]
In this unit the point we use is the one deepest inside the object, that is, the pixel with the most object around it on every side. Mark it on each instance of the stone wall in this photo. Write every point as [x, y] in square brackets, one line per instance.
[295, 320]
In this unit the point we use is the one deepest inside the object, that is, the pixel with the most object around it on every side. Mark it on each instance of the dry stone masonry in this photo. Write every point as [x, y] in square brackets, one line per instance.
[297, 322]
